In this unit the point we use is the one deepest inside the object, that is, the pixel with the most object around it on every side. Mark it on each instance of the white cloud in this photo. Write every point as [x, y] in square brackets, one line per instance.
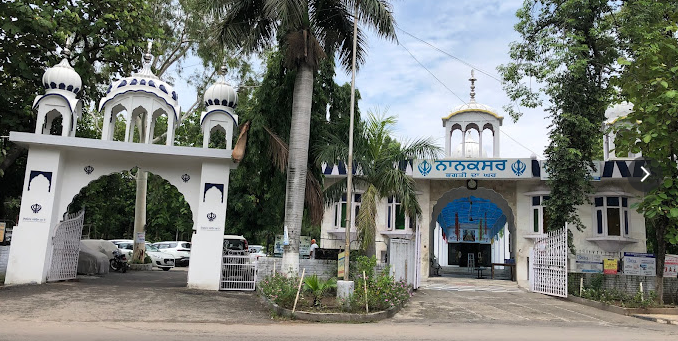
[478, 32]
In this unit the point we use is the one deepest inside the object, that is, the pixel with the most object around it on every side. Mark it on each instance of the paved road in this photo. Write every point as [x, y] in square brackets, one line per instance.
[162, 309]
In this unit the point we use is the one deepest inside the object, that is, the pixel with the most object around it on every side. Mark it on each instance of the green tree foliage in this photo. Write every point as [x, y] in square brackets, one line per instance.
[109, 205]
[307, 31]
[649, 80]
[376, 154]
[567, 46]
[256, 200]
[108, 40]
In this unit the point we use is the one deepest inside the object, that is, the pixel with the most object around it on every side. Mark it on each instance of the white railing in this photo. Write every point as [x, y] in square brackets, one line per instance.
[550, 264]
[238, 271]
[66, 248]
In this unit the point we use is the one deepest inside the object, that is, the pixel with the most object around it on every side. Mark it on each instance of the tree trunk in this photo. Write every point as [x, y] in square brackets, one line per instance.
[297, 165]
[139, 252]
[660, 233]
[12, 154]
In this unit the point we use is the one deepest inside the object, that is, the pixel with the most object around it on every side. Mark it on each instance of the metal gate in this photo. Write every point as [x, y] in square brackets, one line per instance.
[401, 258]
[549, 264]
[238, 271]
[66, 248]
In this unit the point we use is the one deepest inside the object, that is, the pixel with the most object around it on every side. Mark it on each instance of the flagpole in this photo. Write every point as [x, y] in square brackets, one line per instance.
[349, 167]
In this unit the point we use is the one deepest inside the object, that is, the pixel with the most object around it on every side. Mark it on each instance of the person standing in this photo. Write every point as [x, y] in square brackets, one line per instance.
[314, 246]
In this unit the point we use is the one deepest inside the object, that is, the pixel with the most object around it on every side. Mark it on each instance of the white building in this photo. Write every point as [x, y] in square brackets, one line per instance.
[492, 207]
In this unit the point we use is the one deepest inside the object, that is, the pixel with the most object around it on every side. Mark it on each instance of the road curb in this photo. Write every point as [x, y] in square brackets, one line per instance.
[654, 319]
[331, 317]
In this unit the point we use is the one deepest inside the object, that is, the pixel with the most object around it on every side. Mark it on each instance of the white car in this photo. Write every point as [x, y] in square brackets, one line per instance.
[257, 251]
[159, 259]
[181, 251]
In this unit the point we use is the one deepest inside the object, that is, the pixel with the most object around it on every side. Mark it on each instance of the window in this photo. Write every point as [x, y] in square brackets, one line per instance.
[611, 216]
[340, 210]
[540, 218]
[395, 216]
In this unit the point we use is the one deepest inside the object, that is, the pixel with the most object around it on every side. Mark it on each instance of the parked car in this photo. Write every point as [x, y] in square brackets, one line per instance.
[235, 243]
[257, 251]
[181, 251]
[159, 259]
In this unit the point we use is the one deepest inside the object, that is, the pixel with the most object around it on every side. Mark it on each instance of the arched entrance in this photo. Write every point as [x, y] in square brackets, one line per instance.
[471, 221]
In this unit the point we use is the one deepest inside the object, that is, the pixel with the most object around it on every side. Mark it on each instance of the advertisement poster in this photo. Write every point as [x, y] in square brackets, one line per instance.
[304, 245]
[589, 263]
[278, 245]
[610, 266]
[671, 266]
[639, 264]
[140, 238]
[340, 264]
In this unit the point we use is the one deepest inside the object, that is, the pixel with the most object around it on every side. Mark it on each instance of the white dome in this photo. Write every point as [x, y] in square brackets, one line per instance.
[146, 82]
[221, 93]
[472, 149]
[473, 106]
[62, 77]
[618, 111]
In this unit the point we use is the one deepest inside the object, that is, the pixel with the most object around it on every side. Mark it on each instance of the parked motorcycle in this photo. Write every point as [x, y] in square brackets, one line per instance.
[119, 261]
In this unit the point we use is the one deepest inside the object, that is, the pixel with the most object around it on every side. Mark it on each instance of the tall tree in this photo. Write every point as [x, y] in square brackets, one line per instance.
[567, 46]
[381, 161]
[308, 31]
[649, 80]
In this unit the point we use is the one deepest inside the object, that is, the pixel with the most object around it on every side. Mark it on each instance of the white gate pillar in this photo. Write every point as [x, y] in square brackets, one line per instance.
[204, 271]
[31, 251]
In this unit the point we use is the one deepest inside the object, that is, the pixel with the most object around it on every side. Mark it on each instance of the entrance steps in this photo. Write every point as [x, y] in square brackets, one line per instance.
[468, 284]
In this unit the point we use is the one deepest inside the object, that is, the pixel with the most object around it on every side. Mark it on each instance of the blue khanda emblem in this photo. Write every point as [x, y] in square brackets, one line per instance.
[425, 168]
[518, 168]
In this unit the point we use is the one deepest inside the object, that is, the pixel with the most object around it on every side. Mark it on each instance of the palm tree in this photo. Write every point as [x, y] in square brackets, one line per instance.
[308, 31]
[380, 162]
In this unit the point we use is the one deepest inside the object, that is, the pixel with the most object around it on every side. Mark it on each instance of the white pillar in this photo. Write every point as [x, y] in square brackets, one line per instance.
[31, 251]
[448, 142]
[480, 143]
[208, 230]
[496, 142]
[463, 143]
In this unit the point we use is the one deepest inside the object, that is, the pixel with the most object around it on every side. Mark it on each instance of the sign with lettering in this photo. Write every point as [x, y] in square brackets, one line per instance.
[473, 169]
[140, 237]
[304, 245]
[589, 263]
[610, 266]
[639, 264]
[278, 245]
[340, 264]
[671, 266]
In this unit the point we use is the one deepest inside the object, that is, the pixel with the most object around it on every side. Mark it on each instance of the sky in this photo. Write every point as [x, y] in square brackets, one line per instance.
[477, 32]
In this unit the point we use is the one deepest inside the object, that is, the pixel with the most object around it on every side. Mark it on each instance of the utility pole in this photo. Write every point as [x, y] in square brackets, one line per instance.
[349, 167]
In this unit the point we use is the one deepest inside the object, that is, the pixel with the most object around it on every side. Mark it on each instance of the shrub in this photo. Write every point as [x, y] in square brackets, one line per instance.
[383, 292]
[318, 287]
[280, 289]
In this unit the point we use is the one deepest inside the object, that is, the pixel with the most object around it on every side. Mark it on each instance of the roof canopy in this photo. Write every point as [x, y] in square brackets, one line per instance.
[470, 211]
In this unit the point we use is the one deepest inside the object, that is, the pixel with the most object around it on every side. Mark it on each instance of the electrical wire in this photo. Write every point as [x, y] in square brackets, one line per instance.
[429, 71]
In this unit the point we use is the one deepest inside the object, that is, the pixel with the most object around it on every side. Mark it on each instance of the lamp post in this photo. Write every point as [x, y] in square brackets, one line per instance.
[349, 167]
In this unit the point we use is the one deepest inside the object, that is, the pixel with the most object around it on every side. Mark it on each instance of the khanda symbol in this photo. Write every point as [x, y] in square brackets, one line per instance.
[518, 167]
[425, 168]
[36, 208]
[211, 216]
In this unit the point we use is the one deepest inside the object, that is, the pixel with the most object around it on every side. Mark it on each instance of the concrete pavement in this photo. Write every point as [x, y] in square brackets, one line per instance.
[156, 306]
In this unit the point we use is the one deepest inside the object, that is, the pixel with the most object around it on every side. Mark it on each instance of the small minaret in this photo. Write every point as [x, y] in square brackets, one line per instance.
[62, 85]
[220, 103]
[472, 116]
